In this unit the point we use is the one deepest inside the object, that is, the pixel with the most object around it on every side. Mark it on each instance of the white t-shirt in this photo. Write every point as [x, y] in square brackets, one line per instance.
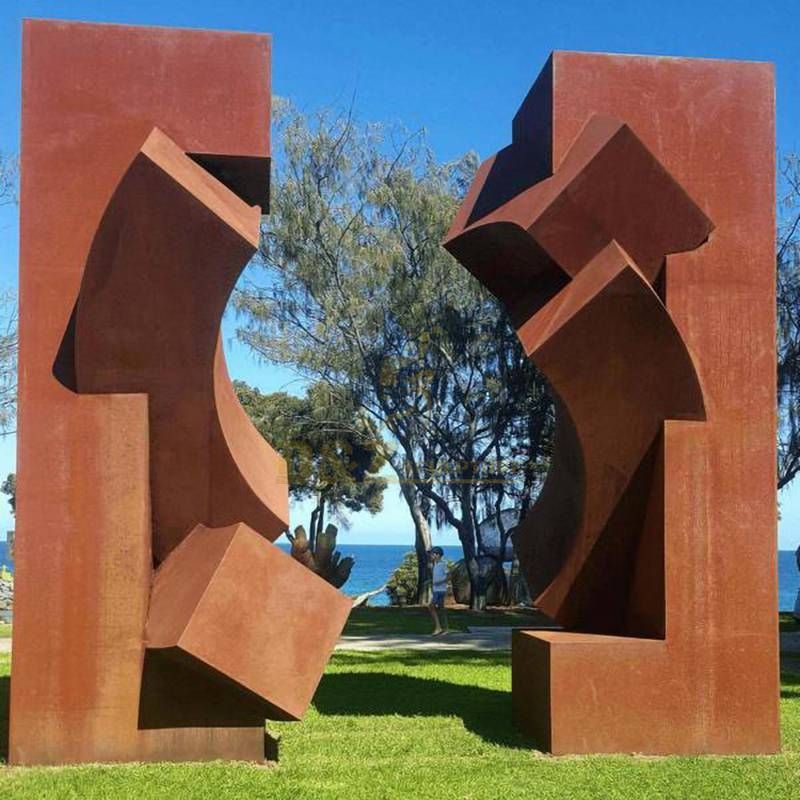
[440, 576]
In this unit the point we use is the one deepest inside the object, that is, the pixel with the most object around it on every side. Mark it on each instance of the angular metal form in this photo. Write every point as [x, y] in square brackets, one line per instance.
[145, 161]
[641, 285]
[225, 603]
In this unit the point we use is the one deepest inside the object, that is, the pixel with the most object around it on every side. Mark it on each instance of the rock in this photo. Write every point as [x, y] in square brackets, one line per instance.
[489, 569]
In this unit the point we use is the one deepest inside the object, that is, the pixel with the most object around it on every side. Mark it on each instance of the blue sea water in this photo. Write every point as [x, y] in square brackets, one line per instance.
[788, 580]
[5, 560]
[376, 562]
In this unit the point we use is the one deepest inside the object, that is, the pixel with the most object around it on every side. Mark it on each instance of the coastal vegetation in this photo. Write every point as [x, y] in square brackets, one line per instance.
[9, 196]
[788, 303]
[352, 289]
[409, 365]
[402, 586]
[333, 453]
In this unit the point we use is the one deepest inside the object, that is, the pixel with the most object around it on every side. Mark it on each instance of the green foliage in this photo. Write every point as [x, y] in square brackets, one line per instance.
[353, 288]
[9, 179]
[788, 327]
[332, 451]
[9, 195]
[402, 585]
[9, 487]
[8, 361]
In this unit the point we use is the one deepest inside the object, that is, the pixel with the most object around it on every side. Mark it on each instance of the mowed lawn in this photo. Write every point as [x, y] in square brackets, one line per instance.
[391, 621]
[411, 724]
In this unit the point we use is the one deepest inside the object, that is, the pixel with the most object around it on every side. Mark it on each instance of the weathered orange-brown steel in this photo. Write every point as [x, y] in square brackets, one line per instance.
[145, 158]
[629, 231]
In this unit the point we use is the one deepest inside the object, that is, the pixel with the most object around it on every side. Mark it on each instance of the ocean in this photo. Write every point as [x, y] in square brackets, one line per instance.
[375, 563]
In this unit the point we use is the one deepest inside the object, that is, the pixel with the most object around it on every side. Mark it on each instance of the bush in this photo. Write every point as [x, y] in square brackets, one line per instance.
[402, 585]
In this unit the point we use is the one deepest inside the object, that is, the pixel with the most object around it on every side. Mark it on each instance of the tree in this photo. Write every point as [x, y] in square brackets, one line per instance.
[9, 488]
[8, 362]
[9, 175]
[9, 178]
[353, 289]
[788, 300]
[333, 452]
[401, 588]
[333, 455]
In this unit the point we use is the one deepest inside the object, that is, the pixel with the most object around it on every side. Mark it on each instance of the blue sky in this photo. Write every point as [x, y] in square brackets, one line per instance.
[459, 69]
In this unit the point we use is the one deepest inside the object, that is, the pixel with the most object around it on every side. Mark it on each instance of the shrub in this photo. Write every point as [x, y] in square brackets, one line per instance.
[402, 585]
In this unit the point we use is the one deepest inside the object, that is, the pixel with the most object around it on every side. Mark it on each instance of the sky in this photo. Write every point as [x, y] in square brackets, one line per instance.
[457, 69]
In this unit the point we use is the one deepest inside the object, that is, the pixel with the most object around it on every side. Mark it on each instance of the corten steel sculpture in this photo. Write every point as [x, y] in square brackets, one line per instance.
[154, 618]
[629, 231]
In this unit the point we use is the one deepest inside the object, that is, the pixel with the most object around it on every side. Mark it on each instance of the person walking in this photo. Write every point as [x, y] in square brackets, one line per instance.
[436, 606]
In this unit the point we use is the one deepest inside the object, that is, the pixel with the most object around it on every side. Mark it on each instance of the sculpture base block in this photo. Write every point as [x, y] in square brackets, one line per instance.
[576, 693]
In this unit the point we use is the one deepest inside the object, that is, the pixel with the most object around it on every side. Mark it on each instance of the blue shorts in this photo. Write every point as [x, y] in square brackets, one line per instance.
[438, 599]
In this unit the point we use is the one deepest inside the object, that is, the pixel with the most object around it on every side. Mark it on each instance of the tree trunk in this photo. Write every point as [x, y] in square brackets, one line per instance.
[424, 580]
[312, 528]
[477, 585]
[422, 543]
[477, 599]
[467, 535]
[504, 536]
[505, 595]
[518, 588]
[320, 519]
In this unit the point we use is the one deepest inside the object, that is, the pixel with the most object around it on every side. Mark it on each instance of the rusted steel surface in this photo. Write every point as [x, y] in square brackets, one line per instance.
[225, 602]
[144, 150]
[632, 243]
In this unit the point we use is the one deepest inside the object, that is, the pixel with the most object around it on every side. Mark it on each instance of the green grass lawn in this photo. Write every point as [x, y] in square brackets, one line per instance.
[387, 620]
[789, 623]
[364, 621]
[403, 724]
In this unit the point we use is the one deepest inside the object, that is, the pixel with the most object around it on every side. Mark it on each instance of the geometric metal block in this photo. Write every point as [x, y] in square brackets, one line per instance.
[148, 181]
[246, 612]
[652, 540]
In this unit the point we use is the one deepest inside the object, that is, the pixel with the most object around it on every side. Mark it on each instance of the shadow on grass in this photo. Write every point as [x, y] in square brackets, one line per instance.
[788, 624]
[790, 685]
[486, 712]
[5, 689]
